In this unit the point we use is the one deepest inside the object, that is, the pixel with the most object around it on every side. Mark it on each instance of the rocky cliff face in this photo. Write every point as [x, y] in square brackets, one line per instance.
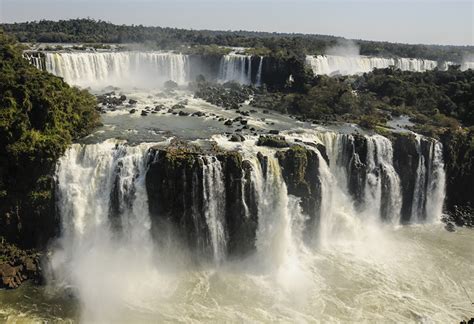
[189, 187]
[458, 150]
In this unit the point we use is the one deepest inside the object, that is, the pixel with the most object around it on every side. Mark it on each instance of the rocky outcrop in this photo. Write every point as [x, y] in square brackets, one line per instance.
[17, 265]
[406, 163]
[458, 151]
[175, 189]
[300, 171]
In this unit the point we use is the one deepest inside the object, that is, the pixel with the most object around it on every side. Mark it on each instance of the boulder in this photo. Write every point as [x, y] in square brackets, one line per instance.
[272, 141]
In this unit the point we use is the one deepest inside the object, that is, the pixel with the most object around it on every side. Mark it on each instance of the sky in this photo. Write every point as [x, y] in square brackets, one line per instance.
[415, 21]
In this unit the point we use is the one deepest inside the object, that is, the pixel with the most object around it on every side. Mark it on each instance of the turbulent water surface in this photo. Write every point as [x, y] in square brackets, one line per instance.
[408, 274]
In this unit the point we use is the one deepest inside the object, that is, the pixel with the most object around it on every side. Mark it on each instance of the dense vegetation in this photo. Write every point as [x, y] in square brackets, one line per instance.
[435, 100]
[278, 44]
[40, 115]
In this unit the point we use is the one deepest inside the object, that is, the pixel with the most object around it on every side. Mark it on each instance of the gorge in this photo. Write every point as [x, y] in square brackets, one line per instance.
[176, 209]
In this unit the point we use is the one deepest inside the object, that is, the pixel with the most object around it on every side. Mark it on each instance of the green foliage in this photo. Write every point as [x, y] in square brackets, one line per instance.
[440, 98]
[206, 50]
[279, 45]
[40, 115]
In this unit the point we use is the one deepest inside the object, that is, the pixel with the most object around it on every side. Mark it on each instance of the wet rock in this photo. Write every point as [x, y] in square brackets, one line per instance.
[132, 111]
[273, 132]
[228, 122]
[132, 102]
[178, 106]
[237, 138]
[272, 141]
[144, 113]
[198, 114]
[243, 122]
[123, 98]
[183, 113]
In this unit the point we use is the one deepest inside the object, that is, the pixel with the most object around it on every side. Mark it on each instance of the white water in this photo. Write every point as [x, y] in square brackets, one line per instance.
[214, 206]
[348, 65]
[357, 268]
[91, 257]
[131, 69]
[380, 166]
[236, 67]
[124, 69]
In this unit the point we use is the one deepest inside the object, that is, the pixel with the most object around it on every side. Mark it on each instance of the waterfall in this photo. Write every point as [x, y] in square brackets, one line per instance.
[236, 67]
[276, 213]
[214, 206]
[259, 72]
[102, 195]
[34, 59]
[94, 180]
[127, 69]
[382, 187]
[347, 65]
[419, 194]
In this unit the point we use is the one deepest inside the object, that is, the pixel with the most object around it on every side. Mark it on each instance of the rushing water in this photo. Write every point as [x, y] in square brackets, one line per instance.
[354, 262]
[107, 268]
[346, 65]
[142, 69]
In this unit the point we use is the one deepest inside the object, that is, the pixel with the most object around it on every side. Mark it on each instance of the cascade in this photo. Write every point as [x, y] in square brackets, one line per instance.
[118, 68]
[436, 183]
[382, 188]
[214, 206]
[347, 65]
[236, 67]
[98, 184]
[274, 241]
[102, 194]
[259, 72]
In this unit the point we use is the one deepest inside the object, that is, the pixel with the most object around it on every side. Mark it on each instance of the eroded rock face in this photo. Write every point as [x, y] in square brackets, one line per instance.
[176, 193]
[300, 171]
[17, 265]
[406, 159]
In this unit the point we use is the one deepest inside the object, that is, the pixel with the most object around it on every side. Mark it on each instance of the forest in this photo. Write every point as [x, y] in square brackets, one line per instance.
[96, 31]
[40, 116]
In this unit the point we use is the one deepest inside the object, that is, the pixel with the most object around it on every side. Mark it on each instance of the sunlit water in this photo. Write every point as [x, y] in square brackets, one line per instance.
[409, 274]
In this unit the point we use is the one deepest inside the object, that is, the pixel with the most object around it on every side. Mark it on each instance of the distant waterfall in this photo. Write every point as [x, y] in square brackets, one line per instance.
[126, 69]
[236, 67]
[347, 65]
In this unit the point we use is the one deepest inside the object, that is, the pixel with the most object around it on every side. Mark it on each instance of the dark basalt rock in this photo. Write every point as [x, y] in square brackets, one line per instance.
[236, 138]
[174, 185]
[272, 141]
[300, 171]
[458, 153]
[405, 160]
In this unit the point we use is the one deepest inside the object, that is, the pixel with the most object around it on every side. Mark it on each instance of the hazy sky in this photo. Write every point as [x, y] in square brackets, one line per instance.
[415, 21]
